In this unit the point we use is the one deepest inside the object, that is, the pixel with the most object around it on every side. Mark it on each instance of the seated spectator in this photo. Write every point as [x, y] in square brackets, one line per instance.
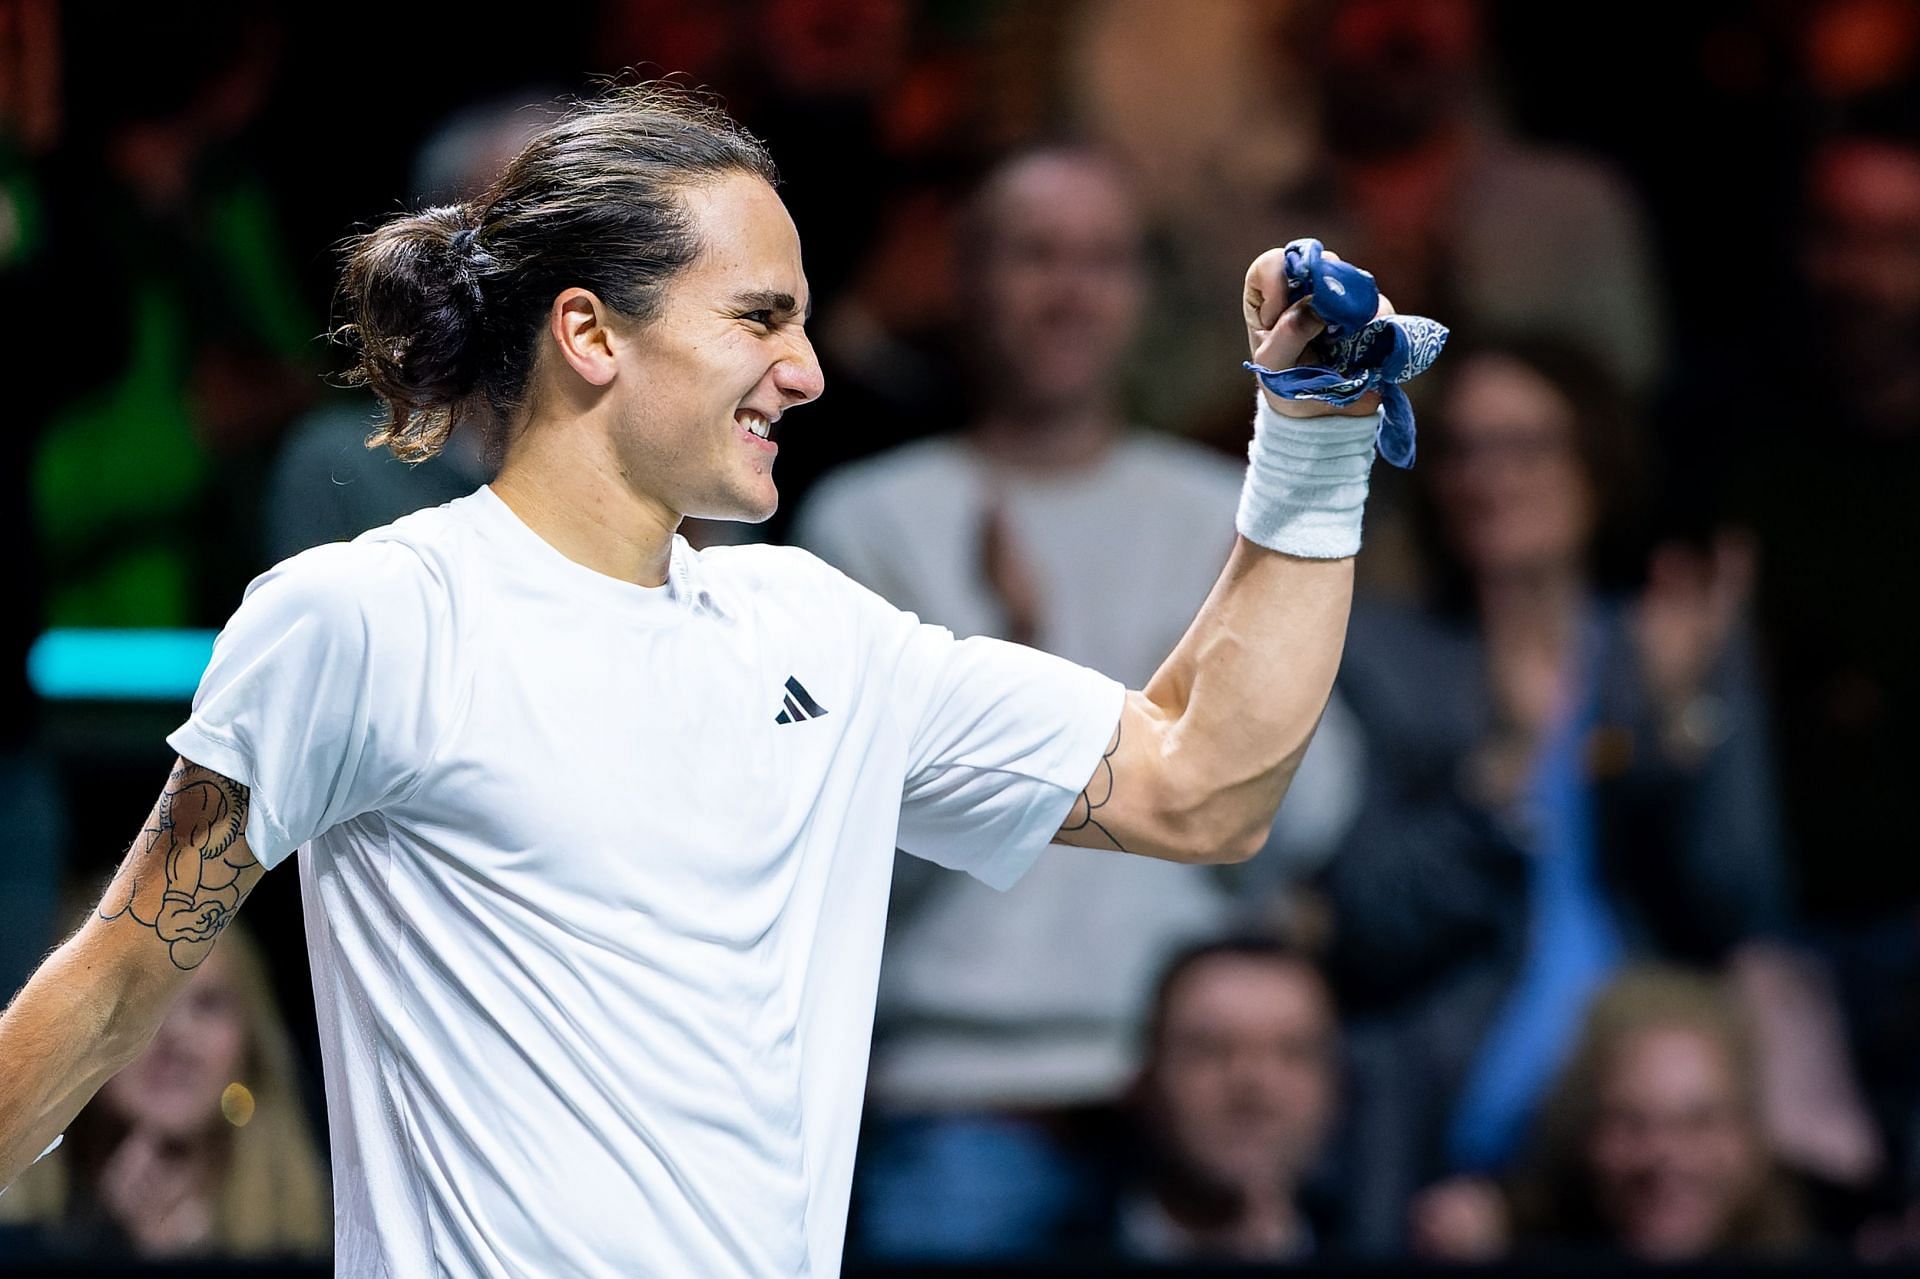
[1561, 776]
[1651, 1146]
[200, 1148]
[1237, 1098]
[1004, 1018]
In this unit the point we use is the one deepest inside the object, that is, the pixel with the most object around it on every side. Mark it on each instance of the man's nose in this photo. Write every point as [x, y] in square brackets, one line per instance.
[798, 374]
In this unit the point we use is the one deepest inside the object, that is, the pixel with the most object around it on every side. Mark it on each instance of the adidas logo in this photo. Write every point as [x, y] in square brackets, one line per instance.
[798, 705]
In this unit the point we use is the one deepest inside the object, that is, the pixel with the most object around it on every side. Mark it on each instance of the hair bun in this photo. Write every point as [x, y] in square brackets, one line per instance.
[413, 299]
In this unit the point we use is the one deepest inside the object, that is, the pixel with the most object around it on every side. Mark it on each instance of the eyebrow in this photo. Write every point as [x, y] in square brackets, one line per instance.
[771, 300]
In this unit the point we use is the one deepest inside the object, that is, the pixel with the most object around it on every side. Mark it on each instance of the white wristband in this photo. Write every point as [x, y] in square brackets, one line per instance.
[1306, 485]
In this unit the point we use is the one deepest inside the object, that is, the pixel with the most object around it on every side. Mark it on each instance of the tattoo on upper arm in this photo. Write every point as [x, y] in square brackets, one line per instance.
[1099, 790]
[190, 869]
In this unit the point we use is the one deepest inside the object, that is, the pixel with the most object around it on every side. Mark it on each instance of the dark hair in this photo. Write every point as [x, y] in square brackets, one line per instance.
[444, 307]
[1608, 441]
[1253, 947]
[979, 214]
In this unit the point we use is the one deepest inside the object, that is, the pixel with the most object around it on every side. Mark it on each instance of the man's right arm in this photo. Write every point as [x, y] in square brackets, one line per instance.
[97, 1000]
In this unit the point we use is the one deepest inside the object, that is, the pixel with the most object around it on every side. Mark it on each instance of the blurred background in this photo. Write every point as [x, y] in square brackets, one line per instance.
[1592, 926]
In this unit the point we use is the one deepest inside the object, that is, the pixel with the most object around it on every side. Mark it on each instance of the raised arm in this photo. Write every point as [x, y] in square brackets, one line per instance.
[97, 1000]
[1203, 755]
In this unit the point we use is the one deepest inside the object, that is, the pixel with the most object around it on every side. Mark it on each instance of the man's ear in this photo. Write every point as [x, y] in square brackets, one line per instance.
[581, 326]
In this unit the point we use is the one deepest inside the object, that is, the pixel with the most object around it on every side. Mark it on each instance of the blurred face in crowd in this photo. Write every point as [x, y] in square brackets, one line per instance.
[1513, 494]
[173, 1089]
[1243, 1079]
[1861, 257]
[1865, 251]
[1056, 284]
[1673, 1152]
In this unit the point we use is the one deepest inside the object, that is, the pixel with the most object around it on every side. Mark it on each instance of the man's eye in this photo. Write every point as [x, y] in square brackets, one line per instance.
[762, 317]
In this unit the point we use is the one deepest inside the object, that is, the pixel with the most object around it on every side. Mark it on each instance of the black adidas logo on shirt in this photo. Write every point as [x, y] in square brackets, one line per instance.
[798, 705]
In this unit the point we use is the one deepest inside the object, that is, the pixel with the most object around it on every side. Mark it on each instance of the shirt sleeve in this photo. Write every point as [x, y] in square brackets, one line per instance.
[1003, 739]
[316, 698]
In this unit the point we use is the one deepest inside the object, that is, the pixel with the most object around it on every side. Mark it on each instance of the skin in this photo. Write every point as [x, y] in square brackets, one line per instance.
[1056, 286]
[1674, 1153]
[1861, 261]
[172, 1090]
[1057, 290]
[631, 427]
[96, 1003]
[1520, 511]
[1514, 498]
[157, 1183]
[1243, 1084]
[1517, 506]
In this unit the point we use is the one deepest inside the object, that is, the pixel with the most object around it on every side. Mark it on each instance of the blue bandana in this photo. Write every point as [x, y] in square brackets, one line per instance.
[1367, 354]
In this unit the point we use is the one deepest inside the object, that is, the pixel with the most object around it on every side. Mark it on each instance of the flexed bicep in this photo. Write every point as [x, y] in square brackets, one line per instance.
[190, 867]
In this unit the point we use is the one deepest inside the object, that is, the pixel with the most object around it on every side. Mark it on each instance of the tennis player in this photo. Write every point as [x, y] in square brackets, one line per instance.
[598, 828]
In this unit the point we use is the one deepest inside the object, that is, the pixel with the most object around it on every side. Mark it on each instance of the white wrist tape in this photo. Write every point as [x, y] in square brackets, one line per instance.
[1306, 484]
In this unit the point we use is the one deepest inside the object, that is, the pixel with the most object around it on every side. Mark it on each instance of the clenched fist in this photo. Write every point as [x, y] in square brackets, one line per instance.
[1278, 335]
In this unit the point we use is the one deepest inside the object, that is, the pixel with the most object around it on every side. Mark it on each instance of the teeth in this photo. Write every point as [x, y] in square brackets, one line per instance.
[757, 424]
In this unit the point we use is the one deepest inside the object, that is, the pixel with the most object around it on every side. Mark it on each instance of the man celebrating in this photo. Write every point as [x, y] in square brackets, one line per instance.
[1005, 1020]
[599, 829]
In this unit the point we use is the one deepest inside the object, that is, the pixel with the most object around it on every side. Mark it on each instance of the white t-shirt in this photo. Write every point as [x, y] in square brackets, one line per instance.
[1035, 997]
[595, 876]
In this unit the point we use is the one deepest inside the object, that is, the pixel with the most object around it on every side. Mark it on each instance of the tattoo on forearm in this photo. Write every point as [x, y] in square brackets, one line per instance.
[1095, 797]
[190, 868]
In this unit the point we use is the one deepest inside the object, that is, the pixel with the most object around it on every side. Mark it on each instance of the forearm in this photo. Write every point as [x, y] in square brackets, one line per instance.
[63, 1036]
[1203, 755]
[1238, 699]
[97, 1000]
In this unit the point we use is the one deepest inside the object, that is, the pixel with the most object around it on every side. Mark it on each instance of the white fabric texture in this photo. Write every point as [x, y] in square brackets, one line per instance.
[1306, 484]
[595, 938]
[1035, 997]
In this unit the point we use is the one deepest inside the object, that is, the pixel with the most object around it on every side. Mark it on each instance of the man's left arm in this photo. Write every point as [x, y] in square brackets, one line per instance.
[1203, 755]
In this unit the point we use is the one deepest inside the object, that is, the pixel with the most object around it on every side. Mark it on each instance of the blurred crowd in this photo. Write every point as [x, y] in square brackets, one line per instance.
[1592, 923]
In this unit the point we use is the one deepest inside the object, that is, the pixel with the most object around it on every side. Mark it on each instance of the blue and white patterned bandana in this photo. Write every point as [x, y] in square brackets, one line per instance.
[1367, 354]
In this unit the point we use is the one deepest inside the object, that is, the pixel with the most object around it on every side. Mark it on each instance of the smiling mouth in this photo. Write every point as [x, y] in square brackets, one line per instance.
[757, 424]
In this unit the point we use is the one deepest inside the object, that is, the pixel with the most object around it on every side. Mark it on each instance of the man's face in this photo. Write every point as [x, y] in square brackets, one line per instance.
[1244, 1077]
[728, 351]
[1057, 285]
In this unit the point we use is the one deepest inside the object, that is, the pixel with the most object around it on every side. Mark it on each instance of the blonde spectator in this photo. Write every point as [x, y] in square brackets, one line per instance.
[200, 1148]
[1651, 1146]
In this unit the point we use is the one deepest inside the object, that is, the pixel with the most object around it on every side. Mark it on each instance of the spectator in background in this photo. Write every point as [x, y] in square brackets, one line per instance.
[326, 484]
[1651, 1146]
[200, 1148]
[1827, 466]
[1238, 1096]
[1560, 777]
[1412, 173]
[1002, 1019]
